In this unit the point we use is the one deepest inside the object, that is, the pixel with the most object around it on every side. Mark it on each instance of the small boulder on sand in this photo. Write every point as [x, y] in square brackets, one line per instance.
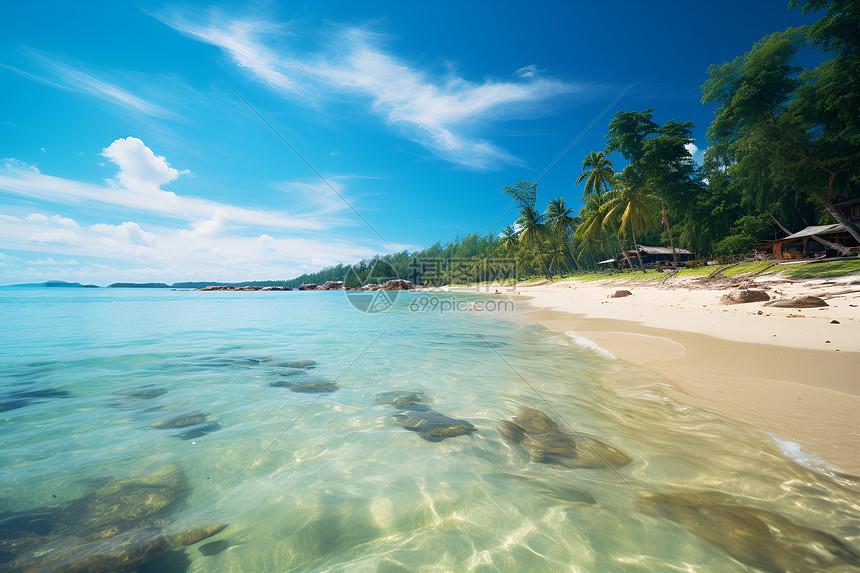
[742, 296]
[799, 302]
[620, 294]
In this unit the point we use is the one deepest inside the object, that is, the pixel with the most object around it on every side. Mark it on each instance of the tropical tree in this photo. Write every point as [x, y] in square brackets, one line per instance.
[561, 221]
[533, 233]
[629, 205]
[597, 173]
[510, 236]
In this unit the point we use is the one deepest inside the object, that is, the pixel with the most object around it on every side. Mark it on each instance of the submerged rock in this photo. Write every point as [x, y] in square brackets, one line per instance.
[146, 394]
[430, 424]
[199, 431]
[401, 398]
[301, 364]
[181, 421]
[214, 547]
[753, 536]
[546, 443]
[14, 405]
[195, 535]
[310, 387]
[116, 527]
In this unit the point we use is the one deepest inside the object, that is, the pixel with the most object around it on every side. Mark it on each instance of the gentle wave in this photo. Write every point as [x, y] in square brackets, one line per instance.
[590, 345]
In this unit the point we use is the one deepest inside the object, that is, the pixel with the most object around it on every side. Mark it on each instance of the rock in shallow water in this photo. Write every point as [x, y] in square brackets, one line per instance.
[401, 398]
[181, 421]
[430, 424]
[546, 443]
[753, 536]
[199, 431]
[116, 527]
[304, 364]
[309, 387]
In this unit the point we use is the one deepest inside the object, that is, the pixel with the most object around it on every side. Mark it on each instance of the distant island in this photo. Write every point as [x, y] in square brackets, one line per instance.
[60, 284]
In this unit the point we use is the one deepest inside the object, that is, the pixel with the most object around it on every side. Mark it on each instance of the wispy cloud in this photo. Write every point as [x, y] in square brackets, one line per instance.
[442, 113]
[77, 79]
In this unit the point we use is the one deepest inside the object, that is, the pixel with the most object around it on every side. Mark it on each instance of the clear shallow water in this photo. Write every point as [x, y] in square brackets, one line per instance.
[345, 488]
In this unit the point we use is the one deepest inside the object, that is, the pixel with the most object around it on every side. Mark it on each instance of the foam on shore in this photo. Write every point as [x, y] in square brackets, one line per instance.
[809, 460]
[589, 345]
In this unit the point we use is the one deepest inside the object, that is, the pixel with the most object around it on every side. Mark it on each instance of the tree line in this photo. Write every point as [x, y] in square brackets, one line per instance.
[783, 148]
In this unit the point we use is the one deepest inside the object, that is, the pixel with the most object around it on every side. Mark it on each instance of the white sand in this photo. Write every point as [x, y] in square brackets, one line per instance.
[791, 372]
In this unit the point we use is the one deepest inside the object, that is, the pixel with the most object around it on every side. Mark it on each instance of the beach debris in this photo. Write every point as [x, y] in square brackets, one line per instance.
[181, 421]
[146, 394]
[430, 424]
[298, 364]
[199, 431]
[401, 398]
[546, 443]
[753, 536]
[310, 387]
[745, 295]
[620, 294]
[118, 526]
[799, 302]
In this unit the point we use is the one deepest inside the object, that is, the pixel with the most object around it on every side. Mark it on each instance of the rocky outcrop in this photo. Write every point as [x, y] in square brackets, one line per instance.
[244, 288]
[799, 302]
[620, 294]
[742, 296]
[331, 285]
[309, 286]
[397, 284]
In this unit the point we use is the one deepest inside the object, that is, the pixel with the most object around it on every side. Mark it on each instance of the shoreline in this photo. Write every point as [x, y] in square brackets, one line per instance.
[789, 372]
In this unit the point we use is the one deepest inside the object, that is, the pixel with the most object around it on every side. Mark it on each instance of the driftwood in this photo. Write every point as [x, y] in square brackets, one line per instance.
[721, 269]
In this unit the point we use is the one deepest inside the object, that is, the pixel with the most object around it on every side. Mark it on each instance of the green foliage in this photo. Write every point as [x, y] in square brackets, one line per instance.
[523, 192]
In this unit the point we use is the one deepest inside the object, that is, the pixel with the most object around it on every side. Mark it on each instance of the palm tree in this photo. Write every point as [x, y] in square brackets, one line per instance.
[532, 225]
[510, 236]
[561, 220]
[533, 231]
[630, 205]
[592, 230]
[597, 173]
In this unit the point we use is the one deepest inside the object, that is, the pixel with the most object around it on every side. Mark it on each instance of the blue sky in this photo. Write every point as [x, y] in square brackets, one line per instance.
[126, 154]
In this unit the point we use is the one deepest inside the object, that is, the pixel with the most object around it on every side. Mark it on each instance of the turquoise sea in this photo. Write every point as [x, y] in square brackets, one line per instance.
[310, 481]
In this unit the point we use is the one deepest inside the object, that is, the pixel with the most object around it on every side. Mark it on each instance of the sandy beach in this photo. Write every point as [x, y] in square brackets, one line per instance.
[794, 373]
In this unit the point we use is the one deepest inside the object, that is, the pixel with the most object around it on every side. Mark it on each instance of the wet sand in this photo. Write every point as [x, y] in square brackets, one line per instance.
[791, 372]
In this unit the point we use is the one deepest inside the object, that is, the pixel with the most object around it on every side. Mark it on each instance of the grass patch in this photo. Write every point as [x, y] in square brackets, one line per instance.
[820, 270]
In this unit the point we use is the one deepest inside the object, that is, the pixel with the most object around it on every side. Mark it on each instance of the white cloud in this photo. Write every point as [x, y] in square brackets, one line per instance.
[529, 71]
[12, 163]
[55, 237]
[140, 169]
[210, 227]
[141, 174]
[68, 77]
[691, 148]
[55, 219]
[128, 233]
[438, 112]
